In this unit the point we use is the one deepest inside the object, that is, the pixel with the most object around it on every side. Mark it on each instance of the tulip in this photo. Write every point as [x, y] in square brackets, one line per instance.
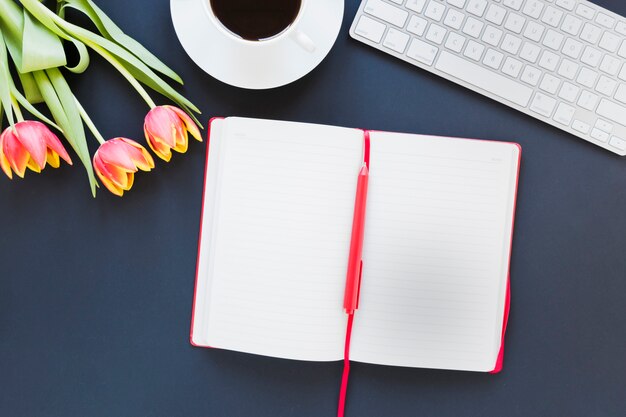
[167, 128]
[116, 162]
[30, 144]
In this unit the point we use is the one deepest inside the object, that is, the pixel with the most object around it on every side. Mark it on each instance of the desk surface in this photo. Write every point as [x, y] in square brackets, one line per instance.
[95, 295]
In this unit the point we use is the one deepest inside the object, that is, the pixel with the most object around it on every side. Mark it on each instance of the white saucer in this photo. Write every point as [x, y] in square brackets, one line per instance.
[256, 65]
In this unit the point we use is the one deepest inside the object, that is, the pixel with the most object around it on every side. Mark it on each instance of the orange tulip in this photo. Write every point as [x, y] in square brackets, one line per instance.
[30, 145]
[116, 162]
[167, 128]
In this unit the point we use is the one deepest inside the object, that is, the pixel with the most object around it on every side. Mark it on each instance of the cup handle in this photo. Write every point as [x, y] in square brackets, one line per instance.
[303, 41]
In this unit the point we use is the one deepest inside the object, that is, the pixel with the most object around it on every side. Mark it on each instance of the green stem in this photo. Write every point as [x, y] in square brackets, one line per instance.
[89, 122]
[16, 109]
[116, 64]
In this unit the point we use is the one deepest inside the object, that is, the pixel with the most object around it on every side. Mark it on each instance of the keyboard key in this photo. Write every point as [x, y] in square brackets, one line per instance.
[455, 42]
[568, 69]
[543, 105]
[436, 34]
[477, 7]
[530, 52]
[590, 33]
[370, 29]
[599, 135]
[533, 31]
[549, 60]
[492, 35]
[564, 114]
[588, 100]
[619, 143]
[569, 92]
[606, 86]
[621, 28]
[493, 59]
[591, 56]
[416, 5]
[585, 11]
[473, 27]
[495, 14]
[533, 8]
[422, 52]
[610, 65]
[515, 23]
[622, 50]
[553, 40]
[513, 4]
[604, 126]
[622, 73]
[610, 42]
[572, 48]
[511, 44]
[571, 25]
[605, 20]
[566, 4]
[387, 12]
[587, 77]
[550, 84]
[484, 79]
[454, 19]
[612, 111]
[458, 3]
[417, 25]
[552, 16]
[434, 10]
[512, 67]
[531, 75]
[581, 127]
[474, 50]
[620, 94]
[396, 40]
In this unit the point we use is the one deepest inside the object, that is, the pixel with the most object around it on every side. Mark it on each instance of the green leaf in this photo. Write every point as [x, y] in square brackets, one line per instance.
[31, 91]
[5, 81]
[131, 62]
[41, 48]
[12, 25]
[134, 65]
[112, 32]
[46, 18]
[62, 105]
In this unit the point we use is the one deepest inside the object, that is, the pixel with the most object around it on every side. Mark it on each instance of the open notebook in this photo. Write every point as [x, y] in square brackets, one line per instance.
[275, 236]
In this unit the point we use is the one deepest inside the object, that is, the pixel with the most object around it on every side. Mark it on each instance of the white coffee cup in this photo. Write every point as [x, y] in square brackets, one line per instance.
[291, 32]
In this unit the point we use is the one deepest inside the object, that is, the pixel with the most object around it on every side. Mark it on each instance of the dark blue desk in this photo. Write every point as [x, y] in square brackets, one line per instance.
[95, 295]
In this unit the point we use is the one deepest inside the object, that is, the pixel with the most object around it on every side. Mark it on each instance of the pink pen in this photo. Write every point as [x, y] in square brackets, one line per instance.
[353, 278]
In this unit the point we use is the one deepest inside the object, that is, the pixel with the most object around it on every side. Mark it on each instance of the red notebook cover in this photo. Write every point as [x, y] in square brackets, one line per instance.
[500, 358]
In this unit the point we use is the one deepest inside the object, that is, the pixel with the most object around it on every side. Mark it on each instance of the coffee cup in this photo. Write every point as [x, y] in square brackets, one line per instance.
[261, 21]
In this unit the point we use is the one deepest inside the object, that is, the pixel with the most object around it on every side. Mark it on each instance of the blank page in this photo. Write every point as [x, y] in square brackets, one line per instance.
[280, 227]
[436, 252]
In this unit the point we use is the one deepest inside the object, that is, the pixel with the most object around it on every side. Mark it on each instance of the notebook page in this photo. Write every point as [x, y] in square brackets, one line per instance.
[436, 251]
[281, 238]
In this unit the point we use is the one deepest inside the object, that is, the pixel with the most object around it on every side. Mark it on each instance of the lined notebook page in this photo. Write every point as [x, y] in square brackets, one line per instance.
[436, 252]
[281, 236]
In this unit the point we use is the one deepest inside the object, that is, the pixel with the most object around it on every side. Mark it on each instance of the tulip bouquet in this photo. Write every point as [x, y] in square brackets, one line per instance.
[33, 38]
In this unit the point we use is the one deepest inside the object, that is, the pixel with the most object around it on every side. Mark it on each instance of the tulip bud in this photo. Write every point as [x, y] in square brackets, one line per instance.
[30, 145]
[116, 162]
[167, 128]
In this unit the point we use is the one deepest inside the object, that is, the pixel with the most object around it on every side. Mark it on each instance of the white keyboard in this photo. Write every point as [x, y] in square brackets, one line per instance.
[561, 61]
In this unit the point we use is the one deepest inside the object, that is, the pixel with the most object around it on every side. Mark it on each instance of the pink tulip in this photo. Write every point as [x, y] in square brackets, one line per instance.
[167, 128]
[116, 162]
[30, 145]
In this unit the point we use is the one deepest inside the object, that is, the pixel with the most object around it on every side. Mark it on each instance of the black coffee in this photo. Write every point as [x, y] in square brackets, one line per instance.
[255, 20]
